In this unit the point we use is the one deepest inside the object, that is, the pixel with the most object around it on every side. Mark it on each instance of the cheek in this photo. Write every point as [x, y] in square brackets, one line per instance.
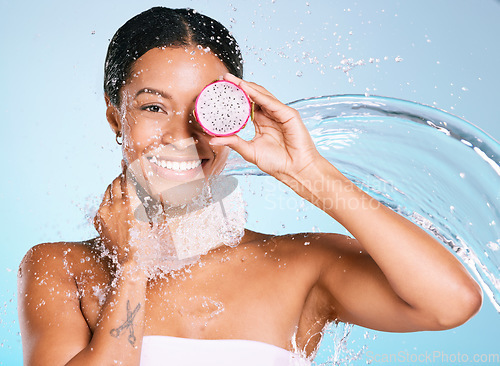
[142, 135]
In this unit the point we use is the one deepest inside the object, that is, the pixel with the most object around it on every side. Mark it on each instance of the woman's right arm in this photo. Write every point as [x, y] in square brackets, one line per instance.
[53, 328]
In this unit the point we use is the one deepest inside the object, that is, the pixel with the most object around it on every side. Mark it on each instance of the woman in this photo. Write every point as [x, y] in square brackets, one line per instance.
[263, 301]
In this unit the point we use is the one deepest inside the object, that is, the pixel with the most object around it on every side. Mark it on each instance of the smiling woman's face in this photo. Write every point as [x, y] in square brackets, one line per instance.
[163, 144]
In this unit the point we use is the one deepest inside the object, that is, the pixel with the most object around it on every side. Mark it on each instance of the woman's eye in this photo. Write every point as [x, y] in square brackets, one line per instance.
[152, 108]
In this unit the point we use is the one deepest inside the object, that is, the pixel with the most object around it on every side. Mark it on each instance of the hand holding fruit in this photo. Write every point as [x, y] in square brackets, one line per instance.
[282, 146]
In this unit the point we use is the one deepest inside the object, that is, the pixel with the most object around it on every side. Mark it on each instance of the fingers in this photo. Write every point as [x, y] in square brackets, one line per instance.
[124, 185]
[271, 106]
[103, 209]
[97, 223]
[116, 194]
[116, 189]
[124, 180]
[106, 199]
[107, 195]
[238, 81]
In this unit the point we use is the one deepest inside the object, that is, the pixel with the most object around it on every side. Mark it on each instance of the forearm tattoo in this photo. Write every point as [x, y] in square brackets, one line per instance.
[129, 324]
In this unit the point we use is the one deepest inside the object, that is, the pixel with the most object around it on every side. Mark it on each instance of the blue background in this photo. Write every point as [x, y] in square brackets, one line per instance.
[59, 153]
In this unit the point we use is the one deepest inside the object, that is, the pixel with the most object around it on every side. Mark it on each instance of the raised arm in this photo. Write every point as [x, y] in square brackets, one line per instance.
[397, 278]
[54, 330]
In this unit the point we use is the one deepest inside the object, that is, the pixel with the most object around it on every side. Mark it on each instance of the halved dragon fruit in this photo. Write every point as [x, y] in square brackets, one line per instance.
[222, 108]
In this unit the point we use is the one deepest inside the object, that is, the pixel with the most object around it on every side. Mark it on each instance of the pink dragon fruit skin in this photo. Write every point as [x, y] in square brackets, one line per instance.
[222, 108]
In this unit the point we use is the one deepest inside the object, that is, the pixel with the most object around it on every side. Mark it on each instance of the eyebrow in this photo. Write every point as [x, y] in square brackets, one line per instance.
[155, 92]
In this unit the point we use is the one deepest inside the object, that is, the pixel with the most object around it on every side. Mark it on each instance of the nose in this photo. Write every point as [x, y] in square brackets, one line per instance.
[184, 143]
[183, 131]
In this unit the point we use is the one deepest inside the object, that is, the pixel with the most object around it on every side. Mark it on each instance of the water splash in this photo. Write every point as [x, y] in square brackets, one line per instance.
[434, 168]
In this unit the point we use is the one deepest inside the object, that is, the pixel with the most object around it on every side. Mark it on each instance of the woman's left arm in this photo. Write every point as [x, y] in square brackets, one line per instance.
[404, 279]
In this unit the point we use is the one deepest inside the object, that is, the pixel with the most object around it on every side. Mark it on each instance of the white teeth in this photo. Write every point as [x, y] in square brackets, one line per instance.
[176, 165]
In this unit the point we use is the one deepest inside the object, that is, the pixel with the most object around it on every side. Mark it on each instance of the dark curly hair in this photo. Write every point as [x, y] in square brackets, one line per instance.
[165, 27]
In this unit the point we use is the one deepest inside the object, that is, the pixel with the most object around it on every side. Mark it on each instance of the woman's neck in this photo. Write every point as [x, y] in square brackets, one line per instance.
[188, 232]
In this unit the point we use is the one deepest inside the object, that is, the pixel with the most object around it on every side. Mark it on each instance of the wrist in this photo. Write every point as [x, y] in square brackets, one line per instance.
[314, 177]
[130, 269]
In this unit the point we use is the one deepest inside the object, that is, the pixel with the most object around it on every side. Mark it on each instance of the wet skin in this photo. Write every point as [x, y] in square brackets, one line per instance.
[158, 102]
[266, 287]
[273, 289]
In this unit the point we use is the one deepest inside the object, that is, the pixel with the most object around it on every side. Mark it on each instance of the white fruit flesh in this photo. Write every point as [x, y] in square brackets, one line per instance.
[222, 108]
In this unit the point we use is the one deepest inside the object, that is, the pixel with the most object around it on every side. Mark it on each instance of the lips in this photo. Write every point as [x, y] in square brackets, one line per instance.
[176, 168]
[177, 165]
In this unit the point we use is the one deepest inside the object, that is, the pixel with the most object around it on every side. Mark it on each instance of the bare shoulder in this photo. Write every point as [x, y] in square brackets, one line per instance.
[51, 267]
[49, 299]
[310, 252]
[57, 258]
[330, 260]
[53, 251]
[311, 258]
[320, 246]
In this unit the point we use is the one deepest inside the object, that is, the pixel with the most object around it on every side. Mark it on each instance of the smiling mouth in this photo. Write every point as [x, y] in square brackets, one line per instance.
[176, 165]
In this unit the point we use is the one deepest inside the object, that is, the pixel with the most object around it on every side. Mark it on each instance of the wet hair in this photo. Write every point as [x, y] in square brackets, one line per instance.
[164, 27]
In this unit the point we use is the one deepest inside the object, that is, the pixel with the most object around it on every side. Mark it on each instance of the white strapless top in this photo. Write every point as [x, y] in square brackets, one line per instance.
[165, 350]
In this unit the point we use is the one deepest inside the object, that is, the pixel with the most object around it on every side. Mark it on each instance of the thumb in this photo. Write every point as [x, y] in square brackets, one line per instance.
[242, 147]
